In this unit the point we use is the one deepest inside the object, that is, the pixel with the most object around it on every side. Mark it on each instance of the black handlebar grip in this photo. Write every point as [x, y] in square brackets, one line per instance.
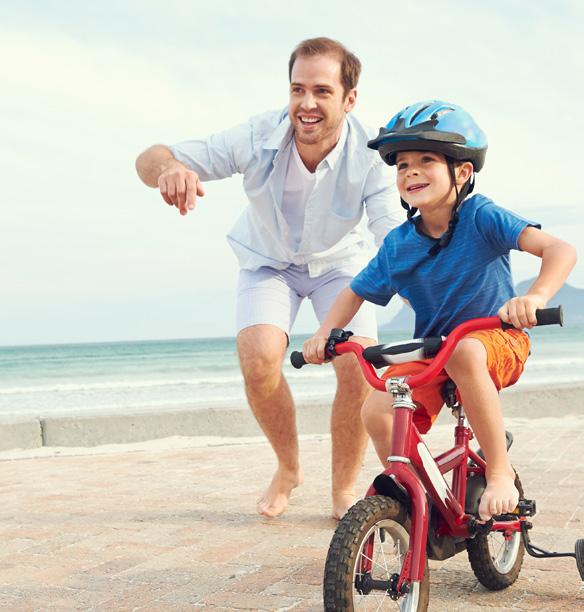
[297, 359]
[544, 316]
[550, 316]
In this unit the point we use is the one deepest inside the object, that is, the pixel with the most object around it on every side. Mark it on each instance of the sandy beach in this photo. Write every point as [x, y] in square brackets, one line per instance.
[170, 524]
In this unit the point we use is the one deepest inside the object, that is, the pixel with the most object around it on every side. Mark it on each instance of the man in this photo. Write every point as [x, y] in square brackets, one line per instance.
[308, 176]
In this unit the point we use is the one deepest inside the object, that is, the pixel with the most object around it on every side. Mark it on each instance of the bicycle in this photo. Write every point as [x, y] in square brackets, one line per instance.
[380, 550]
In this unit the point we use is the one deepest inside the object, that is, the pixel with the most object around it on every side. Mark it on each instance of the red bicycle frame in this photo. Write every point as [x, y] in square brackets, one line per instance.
[412, 466]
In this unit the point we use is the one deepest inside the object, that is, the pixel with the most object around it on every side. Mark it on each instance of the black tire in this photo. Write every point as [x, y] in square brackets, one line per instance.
[389, 523]
[580, 557]
[495, 561]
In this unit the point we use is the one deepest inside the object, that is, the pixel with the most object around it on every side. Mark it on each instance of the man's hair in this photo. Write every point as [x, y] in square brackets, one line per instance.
[350, 64]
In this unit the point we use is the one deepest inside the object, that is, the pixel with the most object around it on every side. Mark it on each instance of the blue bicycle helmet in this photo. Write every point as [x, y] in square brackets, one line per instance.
[433, 126]
[441, 127]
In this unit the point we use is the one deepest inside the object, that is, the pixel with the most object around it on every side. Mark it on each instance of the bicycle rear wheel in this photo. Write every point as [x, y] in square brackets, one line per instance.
[495, 560]
[383, 523]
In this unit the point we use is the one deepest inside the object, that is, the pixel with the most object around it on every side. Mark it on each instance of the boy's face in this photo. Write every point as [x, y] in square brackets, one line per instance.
[423, 179]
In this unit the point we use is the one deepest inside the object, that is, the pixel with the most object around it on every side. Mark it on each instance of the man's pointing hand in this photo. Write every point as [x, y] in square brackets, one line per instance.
[180, 187]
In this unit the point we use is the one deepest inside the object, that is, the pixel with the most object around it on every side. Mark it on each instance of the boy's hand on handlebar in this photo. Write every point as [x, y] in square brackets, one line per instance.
[180, 187]
[520, 311]
[313, 349]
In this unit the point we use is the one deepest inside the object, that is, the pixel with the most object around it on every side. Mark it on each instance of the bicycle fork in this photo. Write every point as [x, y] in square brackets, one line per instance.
[401, 483]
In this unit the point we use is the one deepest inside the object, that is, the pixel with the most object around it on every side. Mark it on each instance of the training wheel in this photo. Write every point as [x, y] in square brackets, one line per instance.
[580, 557]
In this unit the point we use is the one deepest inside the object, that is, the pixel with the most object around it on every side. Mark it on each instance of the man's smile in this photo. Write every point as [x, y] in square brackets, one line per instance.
[309, 120]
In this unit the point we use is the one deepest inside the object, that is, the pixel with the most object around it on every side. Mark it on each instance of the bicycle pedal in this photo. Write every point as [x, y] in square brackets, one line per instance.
[476, 526]
[526, 507]
[509, 516]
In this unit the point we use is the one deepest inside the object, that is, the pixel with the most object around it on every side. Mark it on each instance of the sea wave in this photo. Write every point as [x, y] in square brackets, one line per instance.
[215, 381]
[111, 385]
[556, 362]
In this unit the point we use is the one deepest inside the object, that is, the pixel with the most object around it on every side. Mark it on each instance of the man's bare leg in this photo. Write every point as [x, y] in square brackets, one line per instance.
[349, 438]
[261, 352]
[468, 368]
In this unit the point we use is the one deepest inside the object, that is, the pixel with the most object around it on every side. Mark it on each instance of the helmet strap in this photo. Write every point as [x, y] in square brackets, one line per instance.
[446, 237]
[410, 210]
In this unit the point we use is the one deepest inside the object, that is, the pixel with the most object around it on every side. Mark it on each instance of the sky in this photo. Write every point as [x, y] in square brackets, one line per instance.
[89, 254]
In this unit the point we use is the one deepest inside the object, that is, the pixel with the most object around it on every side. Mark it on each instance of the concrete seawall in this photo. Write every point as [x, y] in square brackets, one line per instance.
[113, 428]
[138, 427]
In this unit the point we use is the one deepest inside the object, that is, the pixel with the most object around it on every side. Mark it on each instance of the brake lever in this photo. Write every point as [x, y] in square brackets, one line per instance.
[336, 336]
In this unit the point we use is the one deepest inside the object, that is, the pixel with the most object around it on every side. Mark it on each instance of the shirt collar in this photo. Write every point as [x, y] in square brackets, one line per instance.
[333, 156]
[283, 134]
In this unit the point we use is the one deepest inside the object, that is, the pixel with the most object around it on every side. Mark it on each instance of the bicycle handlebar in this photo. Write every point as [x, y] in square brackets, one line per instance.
[546, 316]
[297, 359]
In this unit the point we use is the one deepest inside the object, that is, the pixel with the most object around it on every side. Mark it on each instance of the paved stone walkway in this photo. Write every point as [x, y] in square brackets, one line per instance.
[154, 528]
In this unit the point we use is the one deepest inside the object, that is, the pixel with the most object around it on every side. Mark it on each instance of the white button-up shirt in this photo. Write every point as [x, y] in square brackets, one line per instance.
[350, 180]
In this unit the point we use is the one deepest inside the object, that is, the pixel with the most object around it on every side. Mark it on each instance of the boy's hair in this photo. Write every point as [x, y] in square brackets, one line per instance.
[350, 64]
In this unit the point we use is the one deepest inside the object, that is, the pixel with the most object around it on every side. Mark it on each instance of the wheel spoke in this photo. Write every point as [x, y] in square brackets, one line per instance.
[494, 541]
[376, 564]
[382, 551]
[383, 598]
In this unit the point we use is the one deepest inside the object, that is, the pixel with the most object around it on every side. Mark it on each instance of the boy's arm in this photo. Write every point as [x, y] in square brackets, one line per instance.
[342, 311]
[558, 259]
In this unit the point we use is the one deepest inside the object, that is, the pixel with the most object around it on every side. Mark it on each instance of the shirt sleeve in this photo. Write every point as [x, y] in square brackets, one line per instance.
[500, 227]
[373, 283]
[219, 155]
[382, 202]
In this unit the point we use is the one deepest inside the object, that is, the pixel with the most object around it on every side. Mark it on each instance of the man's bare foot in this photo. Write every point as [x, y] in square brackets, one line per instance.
[342, 501]
[500, 496]
[274, 501]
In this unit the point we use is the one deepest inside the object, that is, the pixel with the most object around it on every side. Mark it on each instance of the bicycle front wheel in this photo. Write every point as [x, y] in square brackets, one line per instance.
[365, 554]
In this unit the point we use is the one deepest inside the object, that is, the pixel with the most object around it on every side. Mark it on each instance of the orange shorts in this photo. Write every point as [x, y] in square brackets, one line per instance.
[507, 352]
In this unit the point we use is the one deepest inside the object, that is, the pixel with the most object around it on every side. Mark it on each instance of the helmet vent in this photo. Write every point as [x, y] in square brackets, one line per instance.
[418, 113]
[441, 112]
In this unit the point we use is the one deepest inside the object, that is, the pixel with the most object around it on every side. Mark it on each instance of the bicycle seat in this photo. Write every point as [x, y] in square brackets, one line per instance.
[382, 355]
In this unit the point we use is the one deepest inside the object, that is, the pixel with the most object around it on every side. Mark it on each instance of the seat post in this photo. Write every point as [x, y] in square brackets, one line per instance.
[460, 416]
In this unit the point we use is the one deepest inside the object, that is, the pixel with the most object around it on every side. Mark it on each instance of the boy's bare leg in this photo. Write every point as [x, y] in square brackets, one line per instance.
[348, 435]
[377, 416]
[468, 369]
[261, 352]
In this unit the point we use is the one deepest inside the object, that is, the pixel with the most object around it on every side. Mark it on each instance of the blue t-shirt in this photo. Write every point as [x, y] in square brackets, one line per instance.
[469, 278]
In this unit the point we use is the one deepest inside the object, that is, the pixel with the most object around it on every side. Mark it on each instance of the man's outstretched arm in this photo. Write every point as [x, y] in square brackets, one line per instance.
[179, 186]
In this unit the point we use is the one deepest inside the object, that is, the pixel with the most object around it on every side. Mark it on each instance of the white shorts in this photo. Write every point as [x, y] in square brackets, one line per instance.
[273, 297]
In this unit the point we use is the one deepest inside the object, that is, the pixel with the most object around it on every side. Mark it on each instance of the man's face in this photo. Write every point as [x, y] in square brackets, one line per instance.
[317, 100]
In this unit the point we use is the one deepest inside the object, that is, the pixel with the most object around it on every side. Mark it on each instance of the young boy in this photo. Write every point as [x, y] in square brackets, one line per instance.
[451, 262]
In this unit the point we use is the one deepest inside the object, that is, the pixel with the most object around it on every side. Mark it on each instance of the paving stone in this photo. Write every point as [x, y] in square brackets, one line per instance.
[158, 530]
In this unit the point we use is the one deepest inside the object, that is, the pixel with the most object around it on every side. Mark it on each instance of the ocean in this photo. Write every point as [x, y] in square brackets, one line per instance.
[122, 377]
